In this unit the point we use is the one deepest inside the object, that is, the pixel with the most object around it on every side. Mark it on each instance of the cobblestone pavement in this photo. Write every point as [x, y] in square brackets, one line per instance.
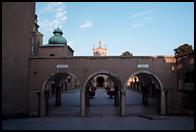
[101, 115]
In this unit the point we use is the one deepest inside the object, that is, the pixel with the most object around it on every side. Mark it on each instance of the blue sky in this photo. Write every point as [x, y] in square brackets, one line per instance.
[143, 28]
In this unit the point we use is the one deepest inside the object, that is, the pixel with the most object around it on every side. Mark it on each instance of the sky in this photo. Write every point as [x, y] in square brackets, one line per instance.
[143, 28]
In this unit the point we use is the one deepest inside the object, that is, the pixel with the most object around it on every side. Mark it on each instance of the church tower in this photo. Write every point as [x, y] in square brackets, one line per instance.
[99, 51]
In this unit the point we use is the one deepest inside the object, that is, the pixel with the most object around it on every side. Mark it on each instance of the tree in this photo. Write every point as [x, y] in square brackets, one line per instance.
[185, 48]
[127, 53]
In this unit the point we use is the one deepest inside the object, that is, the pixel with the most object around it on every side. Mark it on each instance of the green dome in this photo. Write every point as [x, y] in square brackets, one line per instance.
[57, 38]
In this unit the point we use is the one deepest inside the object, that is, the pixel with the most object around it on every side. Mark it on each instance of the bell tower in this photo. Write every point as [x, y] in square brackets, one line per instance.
[99, 51]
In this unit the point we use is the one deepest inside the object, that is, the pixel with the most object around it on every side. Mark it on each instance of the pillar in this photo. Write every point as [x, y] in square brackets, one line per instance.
[87, 97]
[140, 87]
[63, 86]
[133, 86]
[43, 102]
[34, 103]
[145, 96]
[53, 88]
[82, 103]
[58, 96]
[122, 103]
[158, 101]
[117, 97]
[136, 86]
[151, 89]
[46, 102]
[163, 103]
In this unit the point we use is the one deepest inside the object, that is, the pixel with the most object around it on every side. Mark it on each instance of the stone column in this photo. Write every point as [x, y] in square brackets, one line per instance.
[163, 103]
[118, 98]
[150, 93]
[144, 99]
[122, 103]
[46, 102]
[43, 102]
[58, 96]
[115, 96]
[33, 104]
[145, 96]
[137, 86]
[87, 97]
[115, 99]
[82, 104]
[63, 86]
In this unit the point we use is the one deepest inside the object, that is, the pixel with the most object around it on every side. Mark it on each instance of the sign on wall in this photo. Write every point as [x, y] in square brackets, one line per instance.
[61, 66]
[143, 66]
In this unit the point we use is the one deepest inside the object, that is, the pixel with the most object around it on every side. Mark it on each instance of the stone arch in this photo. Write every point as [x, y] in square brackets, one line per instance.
[44, 95]
[143, 71]
[54, 74]
[161, 101]
[101, 72]
[83, 98]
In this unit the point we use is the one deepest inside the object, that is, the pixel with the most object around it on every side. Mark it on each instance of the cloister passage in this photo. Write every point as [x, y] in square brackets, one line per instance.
[142, 94]
[100, 81]
[102, 95]
[62, 95]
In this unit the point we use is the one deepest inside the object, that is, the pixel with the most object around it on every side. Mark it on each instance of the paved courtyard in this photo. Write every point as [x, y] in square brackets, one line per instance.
[101, 105]
[101, 115]
[99, 123]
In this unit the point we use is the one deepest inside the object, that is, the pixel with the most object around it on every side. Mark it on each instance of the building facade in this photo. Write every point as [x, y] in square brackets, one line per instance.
[185, 77]
[18, 20]
[35, 71]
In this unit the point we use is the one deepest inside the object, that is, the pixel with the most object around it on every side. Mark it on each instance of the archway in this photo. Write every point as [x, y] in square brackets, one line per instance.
[61, 94]
[87, 103]
[143, 93]
[100, 81]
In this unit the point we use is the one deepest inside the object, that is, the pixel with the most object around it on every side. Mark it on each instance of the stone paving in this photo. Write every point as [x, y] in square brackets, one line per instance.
[101, 105]
[102, 115]
[99, 123]
[70, 105]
